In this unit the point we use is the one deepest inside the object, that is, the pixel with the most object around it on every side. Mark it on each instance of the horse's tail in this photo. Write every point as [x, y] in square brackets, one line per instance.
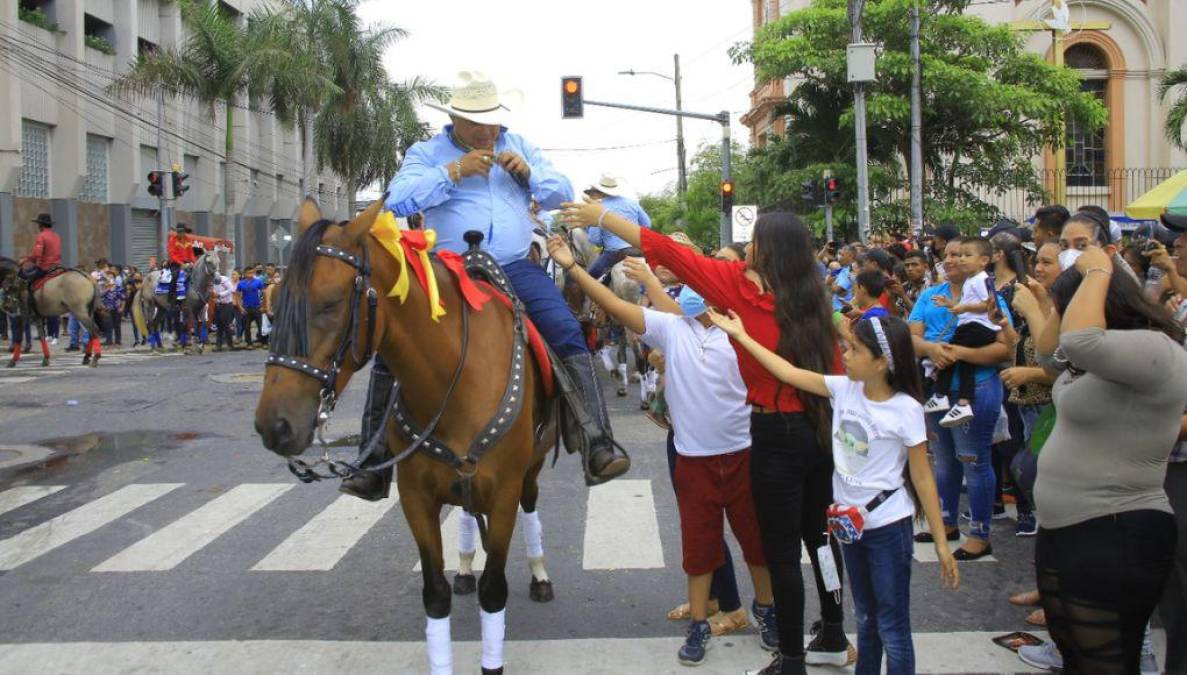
[96, 304]
[138, 313]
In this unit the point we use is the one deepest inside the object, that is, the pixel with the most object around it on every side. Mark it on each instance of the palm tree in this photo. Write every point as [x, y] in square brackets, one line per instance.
[219, 61]
[1176, 117]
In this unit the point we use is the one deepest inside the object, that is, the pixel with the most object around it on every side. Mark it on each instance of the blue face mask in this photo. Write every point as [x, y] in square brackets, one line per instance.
[692, 304]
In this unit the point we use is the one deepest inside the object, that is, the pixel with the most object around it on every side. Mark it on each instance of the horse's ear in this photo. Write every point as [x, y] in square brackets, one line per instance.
[309, 214]
[358, 228]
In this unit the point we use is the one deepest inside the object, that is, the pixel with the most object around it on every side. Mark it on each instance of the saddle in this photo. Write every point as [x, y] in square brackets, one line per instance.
[43, 279]
[163, 283]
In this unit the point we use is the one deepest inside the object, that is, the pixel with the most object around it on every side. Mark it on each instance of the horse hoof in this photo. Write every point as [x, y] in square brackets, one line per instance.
[95, 361]
[11, 364]
[464, 584]
[493, 671]
[621, 393]
[86, 360]
[540, 591]
[644, 405]
[45, 363]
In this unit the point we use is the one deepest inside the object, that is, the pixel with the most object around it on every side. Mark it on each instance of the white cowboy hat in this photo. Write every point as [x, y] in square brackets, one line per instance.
[608, 185]
[475, 98]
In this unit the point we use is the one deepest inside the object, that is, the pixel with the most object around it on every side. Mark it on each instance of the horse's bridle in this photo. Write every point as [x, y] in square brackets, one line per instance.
[328, 376]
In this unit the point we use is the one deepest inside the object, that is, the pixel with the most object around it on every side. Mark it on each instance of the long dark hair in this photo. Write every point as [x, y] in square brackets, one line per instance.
[1126, 306]
[784, 260]
[290, 327]
[905, 376]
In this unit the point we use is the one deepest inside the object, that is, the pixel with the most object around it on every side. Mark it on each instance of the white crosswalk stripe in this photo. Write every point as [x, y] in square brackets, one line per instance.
[168, 547]
[622, 528]
[324, 540]
[43, 538]
[26, 494]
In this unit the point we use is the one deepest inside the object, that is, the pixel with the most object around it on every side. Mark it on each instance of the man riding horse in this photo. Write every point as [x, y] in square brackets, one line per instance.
[47, 252]
[608, 191]
[475, 175]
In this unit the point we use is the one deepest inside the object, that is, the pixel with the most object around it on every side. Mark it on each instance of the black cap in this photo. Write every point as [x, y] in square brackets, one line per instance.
[44, 219]
[947, 232]
[1174, 222]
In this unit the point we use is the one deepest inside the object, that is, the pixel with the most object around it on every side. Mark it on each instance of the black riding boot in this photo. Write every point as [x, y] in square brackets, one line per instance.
[603, 459]
[373, 485]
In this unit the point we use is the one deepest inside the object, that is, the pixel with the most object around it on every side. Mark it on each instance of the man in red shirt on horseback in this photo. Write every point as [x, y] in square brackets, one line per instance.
[46, 254]
[181, 252]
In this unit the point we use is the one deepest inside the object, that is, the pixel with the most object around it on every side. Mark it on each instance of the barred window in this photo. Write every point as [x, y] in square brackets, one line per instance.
[1086, 149]
[34, 180]
[95, 188]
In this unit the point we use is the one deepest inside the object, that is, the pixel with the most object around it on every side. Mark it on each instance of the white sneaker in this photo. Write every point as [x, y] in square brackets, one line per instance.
[1149, 662]
[937, 403]
[957, 416]
[54, 341]
[1045, 656]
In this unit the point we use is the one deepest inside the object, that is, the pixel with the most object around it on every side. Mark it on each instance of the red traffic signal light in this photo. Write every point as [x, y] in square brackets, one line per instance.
[572, 99]
[727, 196]
[155, 186]
[833, 190]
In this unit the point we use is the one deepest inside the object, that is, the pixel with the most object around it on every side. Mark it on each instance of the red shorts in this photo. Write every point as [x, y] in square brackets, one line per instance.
[706, 487]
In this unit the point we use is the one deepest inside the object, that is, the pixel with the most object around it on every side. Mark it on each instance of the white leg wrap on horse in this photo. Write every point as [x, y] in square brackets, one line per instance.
[439, 645]
[607, 361]
[493, 632]
[622, 373]
[467, 528]
[533, 534]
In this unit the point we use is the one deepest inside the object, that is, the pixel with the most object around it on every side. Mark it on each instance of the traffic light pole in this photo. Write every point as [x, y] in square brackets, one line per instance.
[722, 118]
[162, 199]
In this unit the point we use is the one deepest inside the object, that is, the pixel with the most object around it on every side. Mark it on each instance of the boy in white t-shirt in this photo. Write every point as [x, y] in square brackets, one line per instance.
[975, 327]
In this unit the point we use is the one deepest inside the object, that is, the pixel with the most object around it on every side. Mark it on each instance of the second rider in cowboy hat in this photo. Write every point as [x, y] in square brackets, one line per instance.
[475, 175]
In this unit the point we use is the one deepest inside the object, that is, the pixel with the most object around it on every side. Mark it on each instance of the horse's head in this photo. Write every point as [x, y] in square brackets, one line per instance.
[583, 250]
[320, 334]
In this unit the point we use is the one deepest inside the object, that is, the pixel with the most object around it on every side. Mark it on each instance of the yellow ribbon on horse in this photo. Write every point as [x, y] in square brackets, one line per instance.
[410, 247]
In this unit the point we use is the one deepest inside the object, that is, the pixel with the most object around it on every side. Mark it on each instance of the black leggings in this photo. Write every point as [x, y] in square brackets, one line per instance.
[791, 478]
[1099, 581]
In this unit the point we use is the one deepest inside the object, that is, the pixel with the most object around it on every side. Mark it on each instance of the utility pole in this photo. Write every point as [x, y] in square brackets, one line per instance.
[916, 127]
[856, 8]
[828, 207]
[166, 185]
[681, 182]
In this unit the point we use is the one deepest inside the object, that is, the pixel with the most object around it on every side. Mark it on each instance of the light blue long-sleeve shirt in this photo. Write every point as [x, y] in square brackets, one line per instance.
[627, 208]
[496, 205]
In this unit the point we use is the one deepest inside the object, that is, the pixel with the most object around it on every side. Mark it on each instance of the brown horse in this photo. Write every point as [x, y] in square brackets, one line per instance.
[72, 291]
[327, 339]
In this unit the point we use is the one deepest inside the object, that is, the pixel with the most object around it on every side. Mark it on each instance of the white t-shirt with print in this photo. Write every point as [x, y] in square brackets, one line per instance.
[975, 291]
[870, 442]
[705, 394]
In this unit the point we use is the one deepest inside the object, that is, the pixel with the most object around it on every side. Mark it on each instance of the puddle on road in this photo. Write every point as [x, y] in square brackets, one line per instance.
[119, 445]
[238, 378]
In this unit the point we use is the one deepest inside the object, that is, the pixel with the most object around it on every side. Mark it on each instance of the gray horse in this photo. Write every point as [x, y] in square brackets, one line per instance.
[627, 352]
[149, 308]
[73, 291]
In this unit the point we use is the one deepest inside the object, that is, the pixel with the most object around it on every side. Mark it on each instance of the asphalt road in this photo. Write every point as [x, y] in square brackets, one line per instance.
[144, 527]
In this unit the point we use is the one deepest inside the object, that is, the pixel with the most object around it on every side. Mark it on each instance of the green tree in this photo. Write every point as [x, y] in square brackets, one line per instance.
[699, 214]
[216, 63]
[988, 106]
[1176, 117]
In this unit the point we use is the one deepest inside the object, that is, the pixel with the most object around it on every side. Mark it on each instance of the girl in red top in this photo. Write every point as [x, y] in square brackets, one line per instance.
[780, 296]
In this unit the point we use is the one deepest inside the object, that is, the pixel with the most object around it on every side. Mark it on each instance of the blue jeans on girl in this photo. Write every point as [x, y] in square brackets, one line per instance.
[879, 567]
[966, 451]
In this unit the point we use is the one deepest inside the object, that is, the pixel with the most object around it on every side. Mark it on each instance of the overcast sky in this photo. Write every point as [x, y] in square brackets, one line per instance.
[531, 44]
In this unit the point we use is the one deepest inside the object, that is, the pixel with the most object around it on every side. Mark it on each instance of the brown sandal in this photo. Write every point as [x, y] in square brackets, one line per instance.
[723, 623]
[683, 612]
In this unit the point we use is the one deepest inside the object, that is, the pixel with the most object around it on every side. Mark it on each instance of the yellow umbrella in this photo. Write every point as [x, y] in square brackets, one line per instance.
[1170, 196]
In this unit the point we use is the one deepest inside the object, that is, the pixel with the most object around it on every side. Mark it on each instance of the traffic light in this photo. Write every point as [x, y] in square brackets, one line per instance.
[156, 188]
[727, 196]
[179, 186]
[811, 193]
[572, 99]
[833, 191]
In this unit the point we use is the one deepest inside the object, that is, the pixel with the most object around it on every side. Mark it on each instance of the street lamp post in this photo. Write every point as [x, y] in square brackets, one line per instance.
[681, 176]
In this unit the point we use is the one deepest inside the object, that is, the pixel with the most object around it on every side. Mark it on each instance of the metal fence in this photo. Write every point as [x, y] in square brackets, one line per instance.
[1113, 190]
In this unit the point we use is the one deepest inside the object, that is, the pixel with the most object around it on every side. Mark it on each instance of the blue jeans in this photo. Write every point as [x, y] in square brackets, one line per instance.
[603, 263]
[546, 307]
[75, 329]
[966, 450]
[879, 567]
[1025, 465]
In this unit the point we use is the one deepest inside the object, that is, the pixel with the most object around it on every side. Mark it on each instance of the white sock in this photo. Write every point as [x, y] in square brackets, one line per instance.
[533, 534]
[467, 527]
[622, 373]
[493, 632]
[439, 645]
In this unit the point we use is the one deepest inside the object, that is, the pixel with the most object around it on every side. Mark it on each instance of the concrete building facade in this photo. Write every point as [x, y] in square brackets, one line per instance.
[69, 148]
[1123, 65]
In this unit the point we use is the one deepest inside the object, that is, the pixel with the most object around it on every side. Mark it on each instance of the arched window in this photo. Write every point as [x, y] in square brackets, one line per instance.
[1086, 151]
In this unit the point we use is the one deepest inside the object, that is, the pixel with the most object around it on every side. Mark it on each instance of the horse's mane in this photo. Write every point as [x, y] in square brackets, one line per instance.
[290, 329]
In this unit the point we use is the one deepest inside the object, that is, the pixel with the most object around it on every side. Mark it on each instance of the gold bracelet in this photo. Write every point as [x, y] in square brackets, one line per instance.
[1090, 270]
